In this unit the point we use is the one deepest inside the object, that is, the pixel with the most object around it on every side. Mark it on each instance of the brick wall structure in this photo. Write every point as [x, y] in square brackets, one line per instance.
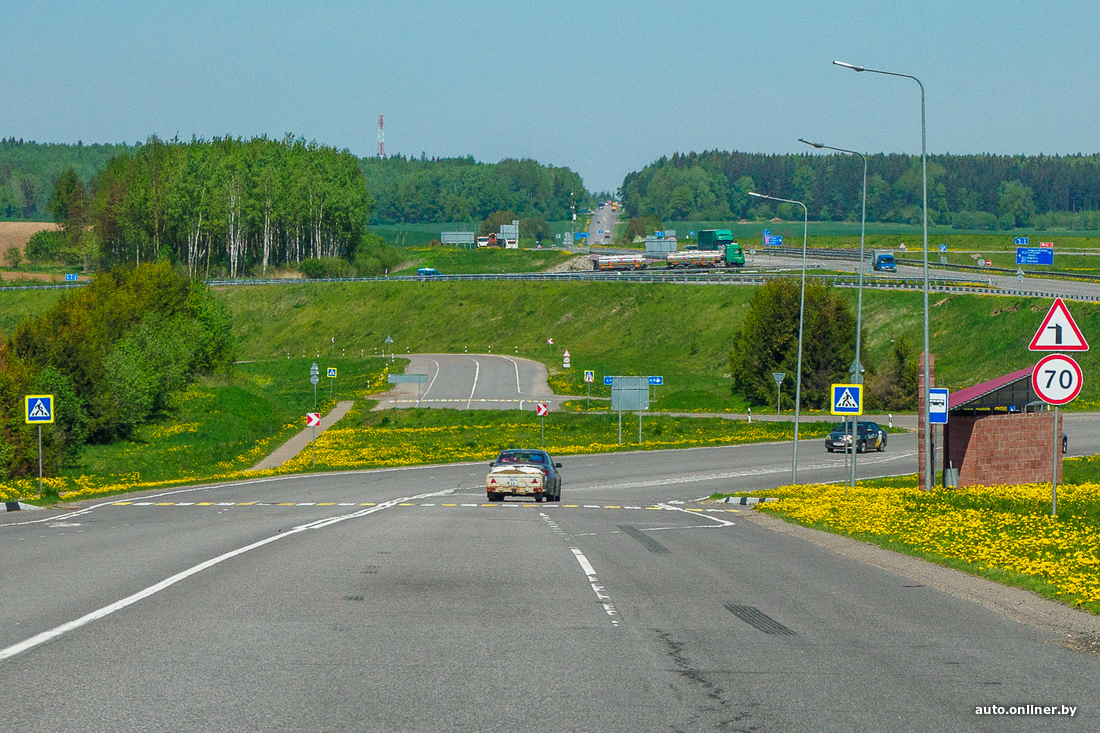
[1003, 448]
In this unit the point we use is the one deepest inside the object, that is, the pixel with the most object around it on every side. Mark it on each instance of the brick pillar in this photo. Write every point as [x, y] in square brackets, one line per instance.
[921, 407]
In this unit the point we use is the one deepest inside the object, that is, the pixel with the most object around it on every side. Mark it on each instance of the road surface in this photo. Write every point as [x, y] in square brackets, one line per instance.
[400, 600]
[472, 382]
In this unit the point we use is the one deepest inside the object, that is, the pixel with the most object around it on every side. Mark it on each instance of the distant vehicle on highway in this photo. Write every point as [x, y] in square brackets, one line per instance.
[428, 272]
[482, 241]
[868, 436]
[883, 261]
[526, 472]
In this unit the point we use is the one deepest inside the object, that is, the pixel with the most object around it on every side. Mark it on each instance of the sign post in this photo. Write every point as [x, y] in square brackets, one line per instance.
[39, 410]
[589, 377]
[778, 377]
[314, 378]
[541, 408]
[331, 377]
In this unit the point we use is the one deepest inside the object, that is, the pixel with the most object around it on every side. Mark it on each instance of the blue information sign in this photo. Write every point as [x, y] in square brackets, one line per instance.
[1021, 241]
[657, 381]
[937, 406]
[1034, 256]
[71, 276]
[607, 380]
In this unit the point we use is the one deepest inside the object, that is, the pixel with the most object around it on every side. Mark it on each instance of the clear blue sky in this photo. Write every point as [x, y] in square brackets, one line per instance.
[603, 88]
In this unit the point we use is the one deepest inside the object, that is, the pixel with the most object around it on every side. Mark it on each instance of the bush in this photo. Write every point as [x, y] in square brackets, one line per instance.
[44, 246]
[13, 256]
[317, 268]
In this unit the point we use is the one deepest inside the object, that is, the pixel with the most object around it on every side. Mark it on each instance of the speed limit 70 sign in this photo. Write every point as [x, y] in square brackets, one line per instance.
[1056, 379]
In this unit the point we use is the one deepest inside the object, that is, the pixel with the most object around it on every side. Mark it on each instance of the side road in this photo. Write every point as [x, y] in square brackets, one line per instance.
[300, 442]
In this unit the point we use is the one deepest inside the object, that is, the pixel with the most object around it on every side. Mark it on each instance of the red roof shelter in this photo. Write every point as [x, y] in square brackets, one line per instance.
[998, 432]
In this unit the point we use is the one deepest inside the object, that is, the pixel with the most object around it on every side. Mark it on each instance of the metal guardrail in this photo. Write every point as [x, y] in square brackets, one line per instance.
[700, 277]
[59, 286]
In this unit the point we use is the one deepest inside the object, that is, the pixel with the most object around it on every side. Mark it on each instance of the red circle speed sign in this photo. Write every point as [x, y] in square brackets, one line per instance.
[1056, 379]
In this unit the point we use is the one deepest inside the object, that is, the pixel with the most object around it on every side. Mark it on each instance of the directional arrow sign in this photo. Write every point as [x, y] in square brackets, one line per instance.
[313, 419]
[847, 399]
[541, 408]
[1059, 332]
[1056, 379]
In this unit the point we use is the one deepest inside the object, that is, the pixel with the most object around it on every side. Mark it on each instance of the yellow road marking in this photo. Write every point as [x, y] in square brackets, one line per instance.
[165, 503]
[205, 503]
[327, 503]
[123, 503]
[287, 503]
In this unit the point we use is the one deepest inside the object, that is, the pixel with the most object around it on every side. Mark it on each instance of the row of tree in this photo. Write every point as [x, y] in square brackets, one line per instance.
[29, 171]
[768, 342]
[967, 191]
[226, 205]
[112, 354]
[410, 190]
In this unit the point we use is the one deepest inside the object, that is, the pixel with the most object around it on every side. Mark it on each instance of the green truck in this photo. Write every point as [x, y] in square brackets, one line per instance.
[722, 240]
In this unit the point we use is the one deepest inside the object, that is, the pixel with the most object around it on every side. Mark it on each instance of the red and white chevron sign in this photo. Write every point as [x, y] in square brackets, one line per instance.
[541, 408]
[313, 419]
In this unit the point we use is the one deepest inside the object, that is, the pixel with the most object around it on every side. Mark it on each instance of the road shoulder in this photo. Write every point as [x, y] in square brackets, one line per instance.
[1077, 629]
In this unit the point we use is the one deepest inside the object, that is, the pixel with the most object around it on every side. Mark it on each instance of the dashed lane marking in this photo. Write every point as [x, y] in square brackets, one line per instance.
[491, 505]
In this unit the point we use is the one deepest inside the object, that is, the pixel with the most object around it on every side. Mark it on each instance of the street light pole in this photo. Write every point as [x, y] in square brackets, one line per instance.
[929, 477]
[857, 367]
[801, 317]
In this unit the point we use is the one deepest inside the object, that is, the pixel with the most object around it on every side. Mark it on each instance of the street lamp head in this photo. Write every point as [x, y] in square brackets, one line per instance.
[853, 67]
[815, 145]
[758, 195]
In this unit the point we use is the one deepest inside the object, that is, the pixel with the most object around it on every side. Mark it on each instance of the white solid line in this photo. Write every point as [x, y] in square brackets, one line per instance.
[477, 372]
[429, 389]
[107, 610]
[697, 514]
[518, 390]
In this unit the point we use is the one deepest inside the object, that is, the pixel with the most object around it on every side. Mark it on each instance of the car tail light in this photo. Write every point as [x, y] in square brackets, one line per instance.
[545, 472]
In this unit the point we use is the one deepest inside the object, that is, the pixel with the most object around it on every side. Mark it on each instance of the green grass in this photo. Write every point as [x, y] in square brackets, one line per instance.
[455, 261]
[261, 404]
[15, 305]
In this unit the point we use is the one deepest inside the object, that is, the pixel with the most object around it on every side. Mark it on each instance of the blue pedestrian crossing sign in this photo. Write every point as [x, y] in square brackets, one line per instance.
[847, 399]
[39, 408]
[332, 372]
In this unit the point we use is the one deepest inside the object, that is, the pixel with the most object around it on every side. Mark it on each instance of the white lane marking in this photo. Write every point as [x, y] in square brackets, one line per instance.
[518, 390]
[723, 522]
[597, 588]
[729, 474]
[477, 372]
[233, 484]
[429, 389]
[107, 610]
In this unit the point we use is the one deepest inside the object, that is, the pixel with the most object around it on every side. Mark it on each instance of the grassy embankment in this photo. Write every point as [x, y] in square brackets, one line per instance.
[1004, 533]
[487, 260]
[680, 332]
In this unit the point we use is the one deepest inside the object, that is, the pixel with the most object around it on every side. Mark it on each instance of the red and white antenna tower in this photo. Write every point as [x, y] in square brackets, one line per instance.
[381, 139]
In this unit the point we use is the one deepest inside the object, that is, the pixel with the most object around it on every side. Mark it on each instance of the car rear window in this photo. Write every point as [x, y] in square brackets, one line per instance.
[521, 458]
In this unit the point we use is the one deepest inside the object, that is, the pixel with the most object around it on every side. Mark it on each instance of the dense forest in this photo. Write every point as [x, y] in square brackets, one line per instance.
[225, 206]
[966, 191]
[29, 171]
[410, 190]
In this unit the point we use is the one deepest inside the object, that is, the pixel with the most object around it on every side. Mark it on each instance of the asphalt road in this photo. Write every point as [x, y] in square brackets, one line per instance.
[472, 382]
[399, 600]
[601, 228]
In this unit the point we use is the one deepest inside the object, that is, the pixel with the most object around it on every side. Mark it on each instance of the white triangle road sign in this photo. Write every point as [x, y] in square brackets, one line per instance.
[847, 401]
[39, 411]
[1059, 332]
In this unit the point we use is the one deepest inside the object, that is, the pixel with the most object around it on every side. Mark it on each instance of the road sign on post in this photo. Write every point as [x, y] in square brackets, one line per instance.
[589, 375]
[1056, 379]
[313, 419]
[778, 377]
[39, 410]
[1058, 332]
[847, 399]
[937, 406]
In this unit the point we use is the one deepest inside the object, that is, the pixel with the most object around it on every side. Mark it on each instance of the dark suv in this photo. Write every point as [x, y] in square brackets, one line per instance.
[868, 436]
